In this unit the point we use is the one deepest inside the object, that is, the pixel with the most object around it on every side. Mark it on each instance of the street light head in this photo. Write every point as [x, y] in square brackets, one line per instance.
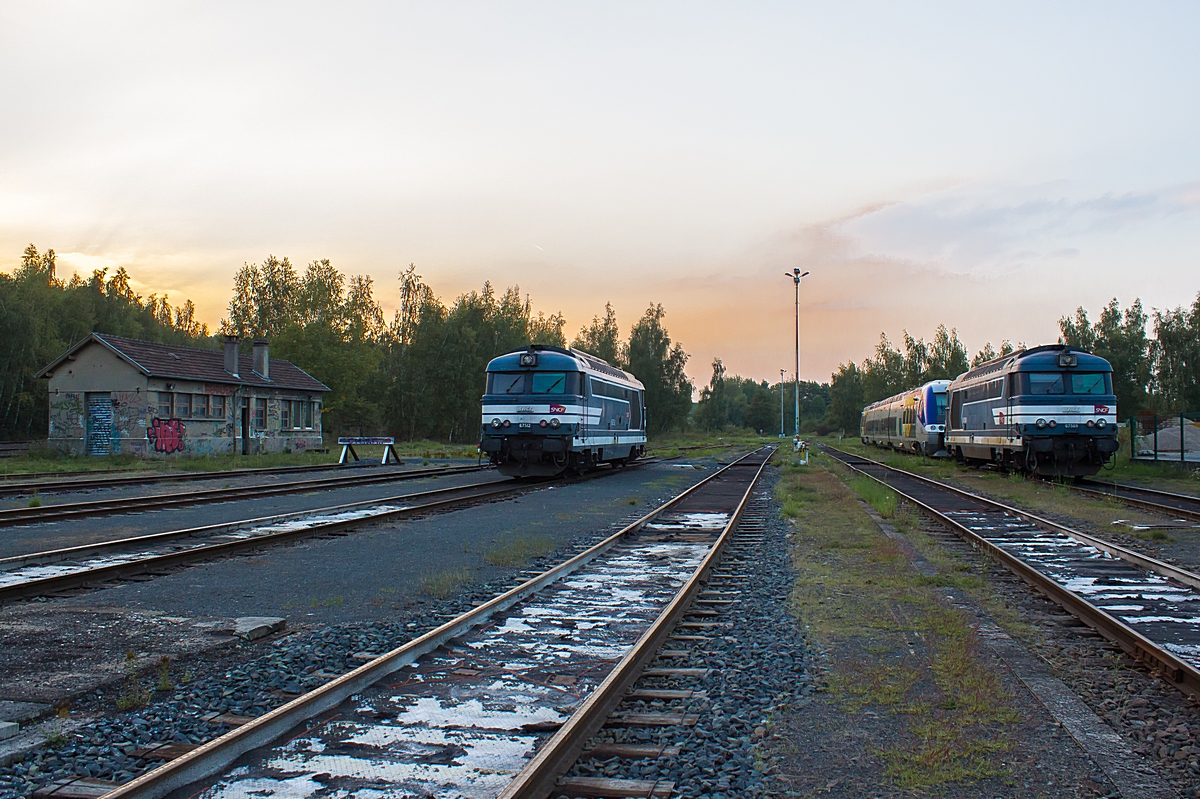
[806, 274]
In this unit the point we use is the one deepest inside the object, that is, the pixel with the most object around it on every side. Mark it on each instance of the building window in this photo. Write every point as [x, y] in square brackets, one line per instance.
[285, 415]
[164, 405]
[216, 408]
[260, 413]
[183, 406]
[308, 415]
[200, 406]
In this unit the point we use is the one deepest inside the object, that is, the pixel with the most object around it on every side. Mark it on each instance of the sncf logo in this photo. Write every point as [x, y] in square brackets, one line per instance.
[1100, 410]
[558, 409]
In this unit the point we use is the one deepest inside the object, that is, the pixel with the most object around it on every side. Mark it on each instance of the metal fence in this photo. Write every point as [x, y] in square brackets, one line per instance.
[1155, 437]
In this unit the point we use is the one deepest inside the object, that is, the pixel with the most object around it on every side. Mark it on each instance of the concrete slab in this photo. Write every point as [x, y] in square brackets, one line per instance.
[254, 627]
[8, 729]
[22, 712]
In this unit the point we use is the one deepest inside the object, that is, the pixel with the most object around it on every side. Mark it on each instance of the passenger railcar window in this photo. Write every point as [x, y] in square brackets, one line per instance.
[1089, 383]
[1046, 383]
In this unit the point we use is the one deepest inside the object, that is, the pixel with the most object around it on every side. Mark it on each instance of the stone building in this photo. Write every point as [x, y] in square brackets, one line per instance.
[113, 395]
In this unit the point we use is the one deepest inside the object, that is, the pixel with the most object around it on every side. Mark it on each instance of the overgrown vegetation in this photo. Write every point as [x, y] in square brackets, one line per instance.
[133, 696]
[897, 648]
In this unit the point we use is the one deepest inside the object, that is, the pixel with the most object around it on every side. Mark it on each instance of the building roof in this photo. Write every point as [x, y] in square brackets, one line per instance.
[193, 363]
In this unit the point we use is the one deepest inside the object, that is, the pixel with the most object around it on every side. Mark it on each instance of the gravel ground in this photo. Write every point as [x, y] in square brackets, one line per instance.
[244, 678]
[758, 665]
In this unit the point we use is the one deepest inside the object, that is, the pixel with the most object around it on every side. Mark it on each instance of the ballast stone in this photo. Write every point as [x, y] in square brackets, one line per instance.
[254, 627]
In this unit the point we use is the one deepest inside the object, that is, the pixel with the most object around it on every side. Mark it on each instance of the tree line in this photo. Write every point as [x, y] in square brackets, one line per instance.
[41, 315]
[419, 375]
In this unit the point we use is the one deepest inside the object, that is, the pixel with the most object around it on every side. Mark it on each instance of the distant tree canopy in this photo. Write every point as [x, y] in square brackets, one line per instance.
[42, 315]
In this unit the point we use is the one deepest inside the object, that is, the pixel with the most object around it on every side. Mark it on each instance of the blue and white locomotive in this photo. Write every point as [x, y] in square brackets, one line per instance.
[913, 421]
[1049, 410]
[548, 409]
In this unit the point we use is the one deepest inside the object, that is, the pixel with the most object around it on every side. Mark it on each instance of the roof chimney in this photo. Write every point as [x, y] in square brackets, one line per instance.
[262, 360]
[231, 355]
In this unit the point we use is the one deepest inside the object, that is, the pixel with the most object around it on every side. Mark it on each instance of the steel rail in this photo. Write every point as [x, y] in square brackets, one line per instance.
[60, 582]
[1126, 494]
[537, 780]
[81, 481]
[1174, 670]
[218, 754]
[44, 585]
[104, 507]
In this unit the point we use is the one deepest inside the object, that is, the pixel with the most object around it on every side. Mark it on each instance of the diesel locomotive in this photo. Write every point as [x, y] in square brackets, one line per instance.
[913, 421]
[1049, 410]
[547, 410]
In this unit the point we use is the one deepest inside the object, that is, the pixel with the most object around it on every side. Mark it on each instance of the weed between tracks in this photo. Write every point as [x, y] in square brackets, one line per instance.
[442, 584]
[518, 550]
[901, 659]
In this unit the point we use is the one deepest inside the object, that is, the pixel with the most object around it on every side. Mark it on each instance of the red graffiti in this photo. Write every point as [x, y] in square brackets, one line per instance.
[166, 435]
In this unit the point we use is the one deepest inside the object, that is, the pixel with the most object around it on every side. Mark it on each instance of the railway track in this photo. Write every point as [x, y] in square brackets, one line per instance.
[1149, 608]
[500, 700]
[48, 572]
[107, 507]
[1181, 506]
[59, 483]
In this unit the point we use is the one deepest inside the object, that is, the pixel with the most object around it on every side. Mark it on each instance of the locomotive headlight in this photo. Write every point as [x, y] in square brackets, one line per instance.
[555, 423]
[496, 422]
[1090, 423]
[1040, 423]
[1102, 423]
[507, 423]
[542, 423]
[1053, 423]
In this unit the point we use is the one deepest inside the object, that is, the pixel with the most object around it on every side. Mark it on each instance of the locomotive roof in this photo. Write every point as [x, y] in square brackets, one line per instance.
[550, 357]
[1032, 360]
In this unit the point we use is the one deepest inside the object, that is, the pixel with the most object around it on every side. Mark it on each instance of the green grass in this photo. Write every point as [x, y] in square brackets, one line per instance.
[895, 645]
[699, 444]
[443, 583]
[519, 550]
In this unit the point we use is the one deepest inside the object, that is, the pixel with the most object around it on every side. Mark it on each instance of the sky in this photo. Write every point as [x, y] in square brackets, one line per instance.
[985, 166]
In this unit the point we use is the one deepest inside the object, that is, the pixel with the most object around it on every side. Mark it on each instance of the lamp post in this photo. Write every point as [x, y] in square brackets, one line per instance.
[796, 275]
[782, 372]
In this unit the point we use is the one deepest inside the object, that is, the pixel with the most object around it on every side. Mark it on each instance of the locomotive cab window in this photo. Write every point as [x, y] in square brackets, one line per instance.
[1046, 383]
[940, 399]
[1089, 383]
[506, 383]
[555, 383]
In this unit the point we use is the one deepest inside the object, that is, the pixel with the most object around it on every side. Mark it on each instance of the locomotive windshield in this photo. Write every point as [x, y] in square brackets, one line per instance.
[1089, 383]
[1046, 383]
[506, 383]
[556, 383]
[940, 399]
[1056, 383]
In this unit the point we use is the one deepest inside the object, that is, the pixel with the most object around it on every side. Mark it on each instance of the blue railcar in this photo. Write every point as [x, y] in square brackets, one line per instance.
[913, 421]
[547, 410]
[1048, 410]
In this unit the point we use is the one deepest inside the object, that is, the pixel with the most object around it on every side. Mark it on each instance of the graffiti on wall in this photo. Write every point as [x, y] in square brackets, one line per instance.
[166, 435]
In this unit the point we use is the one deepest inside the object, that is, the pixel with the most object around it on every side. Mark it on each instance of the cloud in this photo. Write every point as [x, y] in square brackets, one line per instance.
[994, 230]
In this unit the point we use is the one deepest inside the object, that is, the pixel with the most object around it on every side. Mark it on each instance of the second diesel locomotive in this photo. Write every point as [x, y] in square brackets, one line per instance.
[913, 421]
[1049, 410]
[547, 410]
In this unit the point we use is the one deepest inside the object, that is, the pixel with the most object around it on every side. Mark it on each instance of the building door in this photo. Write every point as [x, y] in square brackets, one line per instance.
[245, 428]
[99, 424]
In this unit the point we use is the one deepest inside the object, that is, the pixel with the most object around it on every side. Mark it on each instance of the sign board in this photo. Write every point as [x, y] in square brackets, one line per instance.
[366, 440]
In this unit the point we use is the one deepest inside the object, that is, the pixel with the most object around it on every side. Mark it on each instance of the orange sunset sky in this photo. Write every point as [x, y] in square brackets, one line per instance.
[990, 168]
